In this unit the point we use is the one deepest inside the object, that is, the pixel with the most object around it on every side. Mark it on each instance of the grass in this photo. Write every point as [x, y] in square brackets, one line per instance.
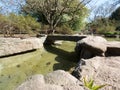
[113, 39]
[14, 70]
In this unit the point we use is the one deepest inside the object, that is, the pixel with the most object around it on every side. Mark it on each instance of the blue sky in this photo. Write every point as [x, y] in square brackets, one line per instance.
[10, 7]
[104, 4]
[97, 3]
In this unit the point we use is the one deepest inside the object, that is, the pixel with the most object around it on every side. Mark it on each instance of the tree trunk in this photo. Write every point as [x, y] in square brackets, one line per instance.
[52, 29]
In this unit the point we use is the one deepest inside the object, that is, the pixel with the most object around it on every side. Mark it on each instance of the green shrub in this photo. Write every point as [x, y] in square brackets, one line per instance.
[18, 24]
[106, 29]
[64, 29]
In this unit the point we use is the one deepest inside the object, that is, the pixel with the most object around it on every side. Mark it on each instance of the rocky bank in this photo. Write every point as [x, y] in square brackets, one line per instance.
[99, 60]
[103, 70]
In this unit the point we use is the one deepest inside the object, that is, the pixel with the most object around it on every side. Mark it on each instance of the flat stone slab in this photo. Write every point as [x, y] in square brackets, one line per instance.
[91, 46]
[9, 46]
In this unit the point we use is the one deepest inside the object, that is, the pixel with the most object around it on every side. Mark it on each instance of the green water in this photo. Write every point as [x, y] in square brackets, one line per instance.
[15, 69]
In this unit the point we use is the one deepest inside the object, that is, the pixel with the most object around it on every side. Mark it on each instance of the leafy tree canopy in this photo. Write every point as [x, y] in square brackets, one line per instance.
[57, 12]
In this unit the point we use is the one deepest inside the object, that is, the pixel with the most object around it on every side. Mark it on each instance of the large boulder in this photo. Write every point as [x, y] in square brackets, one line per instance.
[113, 48]
[9, 46]
[103, 70]
[64, 79]
[57, 80]
[37, 83]
[91, 46]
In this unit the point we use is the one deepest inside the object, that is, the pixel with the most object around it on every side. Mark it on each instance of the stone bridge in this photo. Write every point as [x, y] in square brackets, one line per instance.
[51, 38]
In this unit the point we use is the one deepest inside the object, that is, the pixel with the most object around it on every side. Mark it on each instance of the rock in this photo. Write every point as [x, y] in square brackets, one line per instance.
[9, 46]
[52, 87]
[61, 78]
[64, 79]
[113, 48]
[78, 70]
[57, 80]
[91, 46]
[74, 87]
[33, 83]
[58, 43]
[103, 70]
[37, 83]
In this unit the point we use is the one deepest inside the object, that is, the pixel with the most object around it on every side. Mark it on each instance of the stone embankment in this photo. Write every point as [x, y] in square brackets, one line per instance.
[103, 70]
[99, 60]
[9, 46]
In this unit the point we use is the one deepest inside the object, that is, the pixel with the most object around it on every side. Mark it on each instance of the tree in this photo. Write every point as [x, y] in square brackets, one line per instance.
[100, 19]
[24, 24]
[102, 26]
[52, 12]
[18, 24]
[116, 14]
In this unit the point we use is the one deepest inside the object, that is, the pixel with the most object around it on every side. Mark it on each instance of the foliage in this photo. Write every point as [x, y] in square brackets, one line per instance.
[90, 85]
[64, 29]
[116, 17]
[56, 12]
[79, 21]
[109, 24]
[6, 26]
[19, 24]
[116, 14]
[103, 25]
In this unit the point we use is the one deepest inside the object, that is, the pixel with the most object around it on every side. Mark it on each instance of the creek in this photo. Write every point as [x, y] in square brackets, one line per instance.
[16, 69]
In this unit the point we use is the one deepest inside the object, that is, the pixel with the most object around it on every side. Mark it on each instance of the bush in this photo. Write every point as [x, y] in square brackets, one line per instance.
[103, 25]
[18, 24]
[44, 29]
[64, 29]
[106, 29]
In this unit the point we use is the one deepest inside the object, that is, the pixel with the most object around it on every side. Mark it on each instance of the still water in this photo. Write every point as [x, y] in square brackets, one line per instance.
[15, 69]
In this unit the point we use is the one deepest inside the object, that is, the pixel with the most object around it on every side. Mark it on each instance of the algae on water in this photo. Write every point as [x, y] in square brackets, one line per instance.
[14, 70]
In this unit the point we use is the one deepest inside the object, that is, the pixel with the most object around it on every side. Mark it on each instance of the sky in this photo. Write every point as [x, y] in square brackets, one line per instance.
[105, 7]
[9, 6]
[97, 2]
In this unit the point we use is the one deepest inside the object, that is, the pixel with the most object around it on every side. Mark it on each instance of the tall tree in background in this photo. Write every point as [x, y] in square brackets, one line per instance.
[116, 14]
[52, 12]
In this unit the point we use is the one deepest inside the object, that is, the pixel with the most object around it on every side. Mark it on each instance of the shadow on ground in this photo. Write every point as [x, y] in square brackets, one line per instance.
[66, 60]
